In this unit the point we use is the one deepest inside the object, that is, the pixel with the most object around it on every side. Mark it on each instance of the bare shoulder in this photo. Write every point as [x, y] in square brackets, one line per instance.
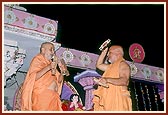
[124, 66]
[125, 70]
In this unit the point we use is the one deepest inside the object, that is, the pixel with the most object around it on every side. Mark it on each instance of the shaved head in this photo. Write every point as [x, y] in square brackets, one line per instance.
[47, 49]
[45, 44]
[117, 48]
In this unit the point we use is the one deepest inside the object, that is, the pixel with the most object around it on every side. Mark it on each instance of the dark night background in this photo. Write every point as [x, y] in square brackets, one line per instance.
[85, 27]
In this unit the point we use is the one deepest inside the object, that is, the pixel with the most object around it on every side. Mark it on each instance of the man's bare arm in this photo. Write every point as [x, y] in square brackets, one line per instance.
[99, 64]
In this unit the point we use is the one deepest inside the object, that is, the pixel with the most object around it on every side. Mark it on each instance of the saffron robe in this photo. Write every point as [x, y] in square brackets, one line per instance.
[114, 98]
[35, 93]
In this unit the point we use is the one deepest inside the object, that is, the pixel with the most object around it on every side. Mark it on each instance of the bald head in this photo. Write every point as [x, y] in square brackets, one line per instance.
[45, 45]
[47, 50]
[117, 48]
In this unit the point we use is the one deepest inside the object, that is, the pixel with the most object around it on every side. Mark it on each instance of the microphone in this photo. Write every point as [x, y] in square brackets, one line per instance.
[61, 65]
[53, 58]
[53, 70]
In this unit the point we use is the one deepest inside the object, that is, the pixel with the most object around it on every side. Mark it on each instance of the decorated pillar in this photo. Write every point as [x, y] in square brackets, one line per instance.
[86, 80]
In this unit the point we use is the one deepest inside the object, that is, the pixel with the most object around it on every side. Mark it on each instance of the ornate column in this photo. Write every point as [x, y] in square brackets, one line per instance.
[86, 80]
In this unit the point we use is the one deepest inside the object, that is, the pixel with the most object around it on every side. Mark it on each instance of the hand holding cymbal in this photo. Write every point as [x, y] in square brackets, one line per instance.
[105, 45]
[99, 82]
